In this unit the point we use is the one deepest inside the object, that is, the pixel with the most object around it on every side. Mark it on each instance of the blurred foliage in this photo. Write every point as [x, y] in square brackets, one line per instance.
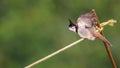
[32, 29]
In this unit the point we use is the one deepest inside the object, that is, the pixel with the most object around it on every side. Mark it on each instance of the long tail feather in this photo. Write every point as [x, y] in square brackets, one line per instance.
[103, 39]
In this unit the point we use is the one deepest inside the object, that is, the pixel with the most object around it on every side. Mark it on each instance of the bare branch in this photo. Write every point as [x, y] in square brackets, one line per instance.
[54, 53]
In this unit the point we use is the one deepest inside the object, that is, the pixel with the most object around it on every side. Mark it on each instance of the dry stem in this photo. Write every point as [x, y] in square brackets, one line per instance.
[54, 53]
[110, 22]
[109, 53]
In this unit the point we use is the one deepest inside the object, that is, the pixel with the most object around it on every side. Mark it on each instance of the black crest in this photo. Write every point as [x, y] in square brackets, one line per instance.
[71, 24]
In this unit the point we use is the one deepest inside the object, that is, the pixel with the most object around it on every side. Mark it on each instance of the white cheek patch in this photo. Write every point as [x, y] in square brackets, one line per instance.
[72, 29]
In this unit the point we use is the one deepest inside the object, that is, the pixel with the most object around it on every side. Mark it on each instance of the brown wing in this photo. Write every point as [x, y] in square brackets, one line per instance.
[94, 18]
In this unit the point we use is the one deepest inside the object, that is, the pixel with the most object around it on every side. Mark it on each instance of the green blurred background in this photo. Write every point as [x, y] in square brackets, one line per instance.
[32, 29]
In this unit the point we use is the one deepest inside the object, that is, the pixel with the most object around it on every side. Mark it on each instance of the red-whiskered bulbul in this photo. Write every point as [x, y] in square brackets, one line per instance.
[86, 27]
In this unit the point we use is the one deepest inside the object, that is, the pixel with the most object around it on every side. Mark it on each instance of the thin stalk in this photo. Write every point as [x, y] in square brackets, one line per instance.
[54, 53]
[109, 54]
[105, 44]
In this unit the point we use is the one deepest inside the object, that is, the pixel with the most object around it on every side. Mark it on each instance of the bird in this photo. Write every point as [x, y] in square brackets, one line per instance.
[86, 27]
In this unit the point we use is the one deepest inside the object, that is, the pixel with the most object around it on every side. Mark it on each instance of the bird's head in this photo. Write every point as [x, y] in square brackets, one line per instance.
[72, 26]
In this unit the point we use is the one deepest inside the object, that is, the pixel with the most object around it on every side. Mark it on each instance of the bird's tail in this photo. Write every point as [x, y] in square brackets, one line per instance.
[103, 39]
